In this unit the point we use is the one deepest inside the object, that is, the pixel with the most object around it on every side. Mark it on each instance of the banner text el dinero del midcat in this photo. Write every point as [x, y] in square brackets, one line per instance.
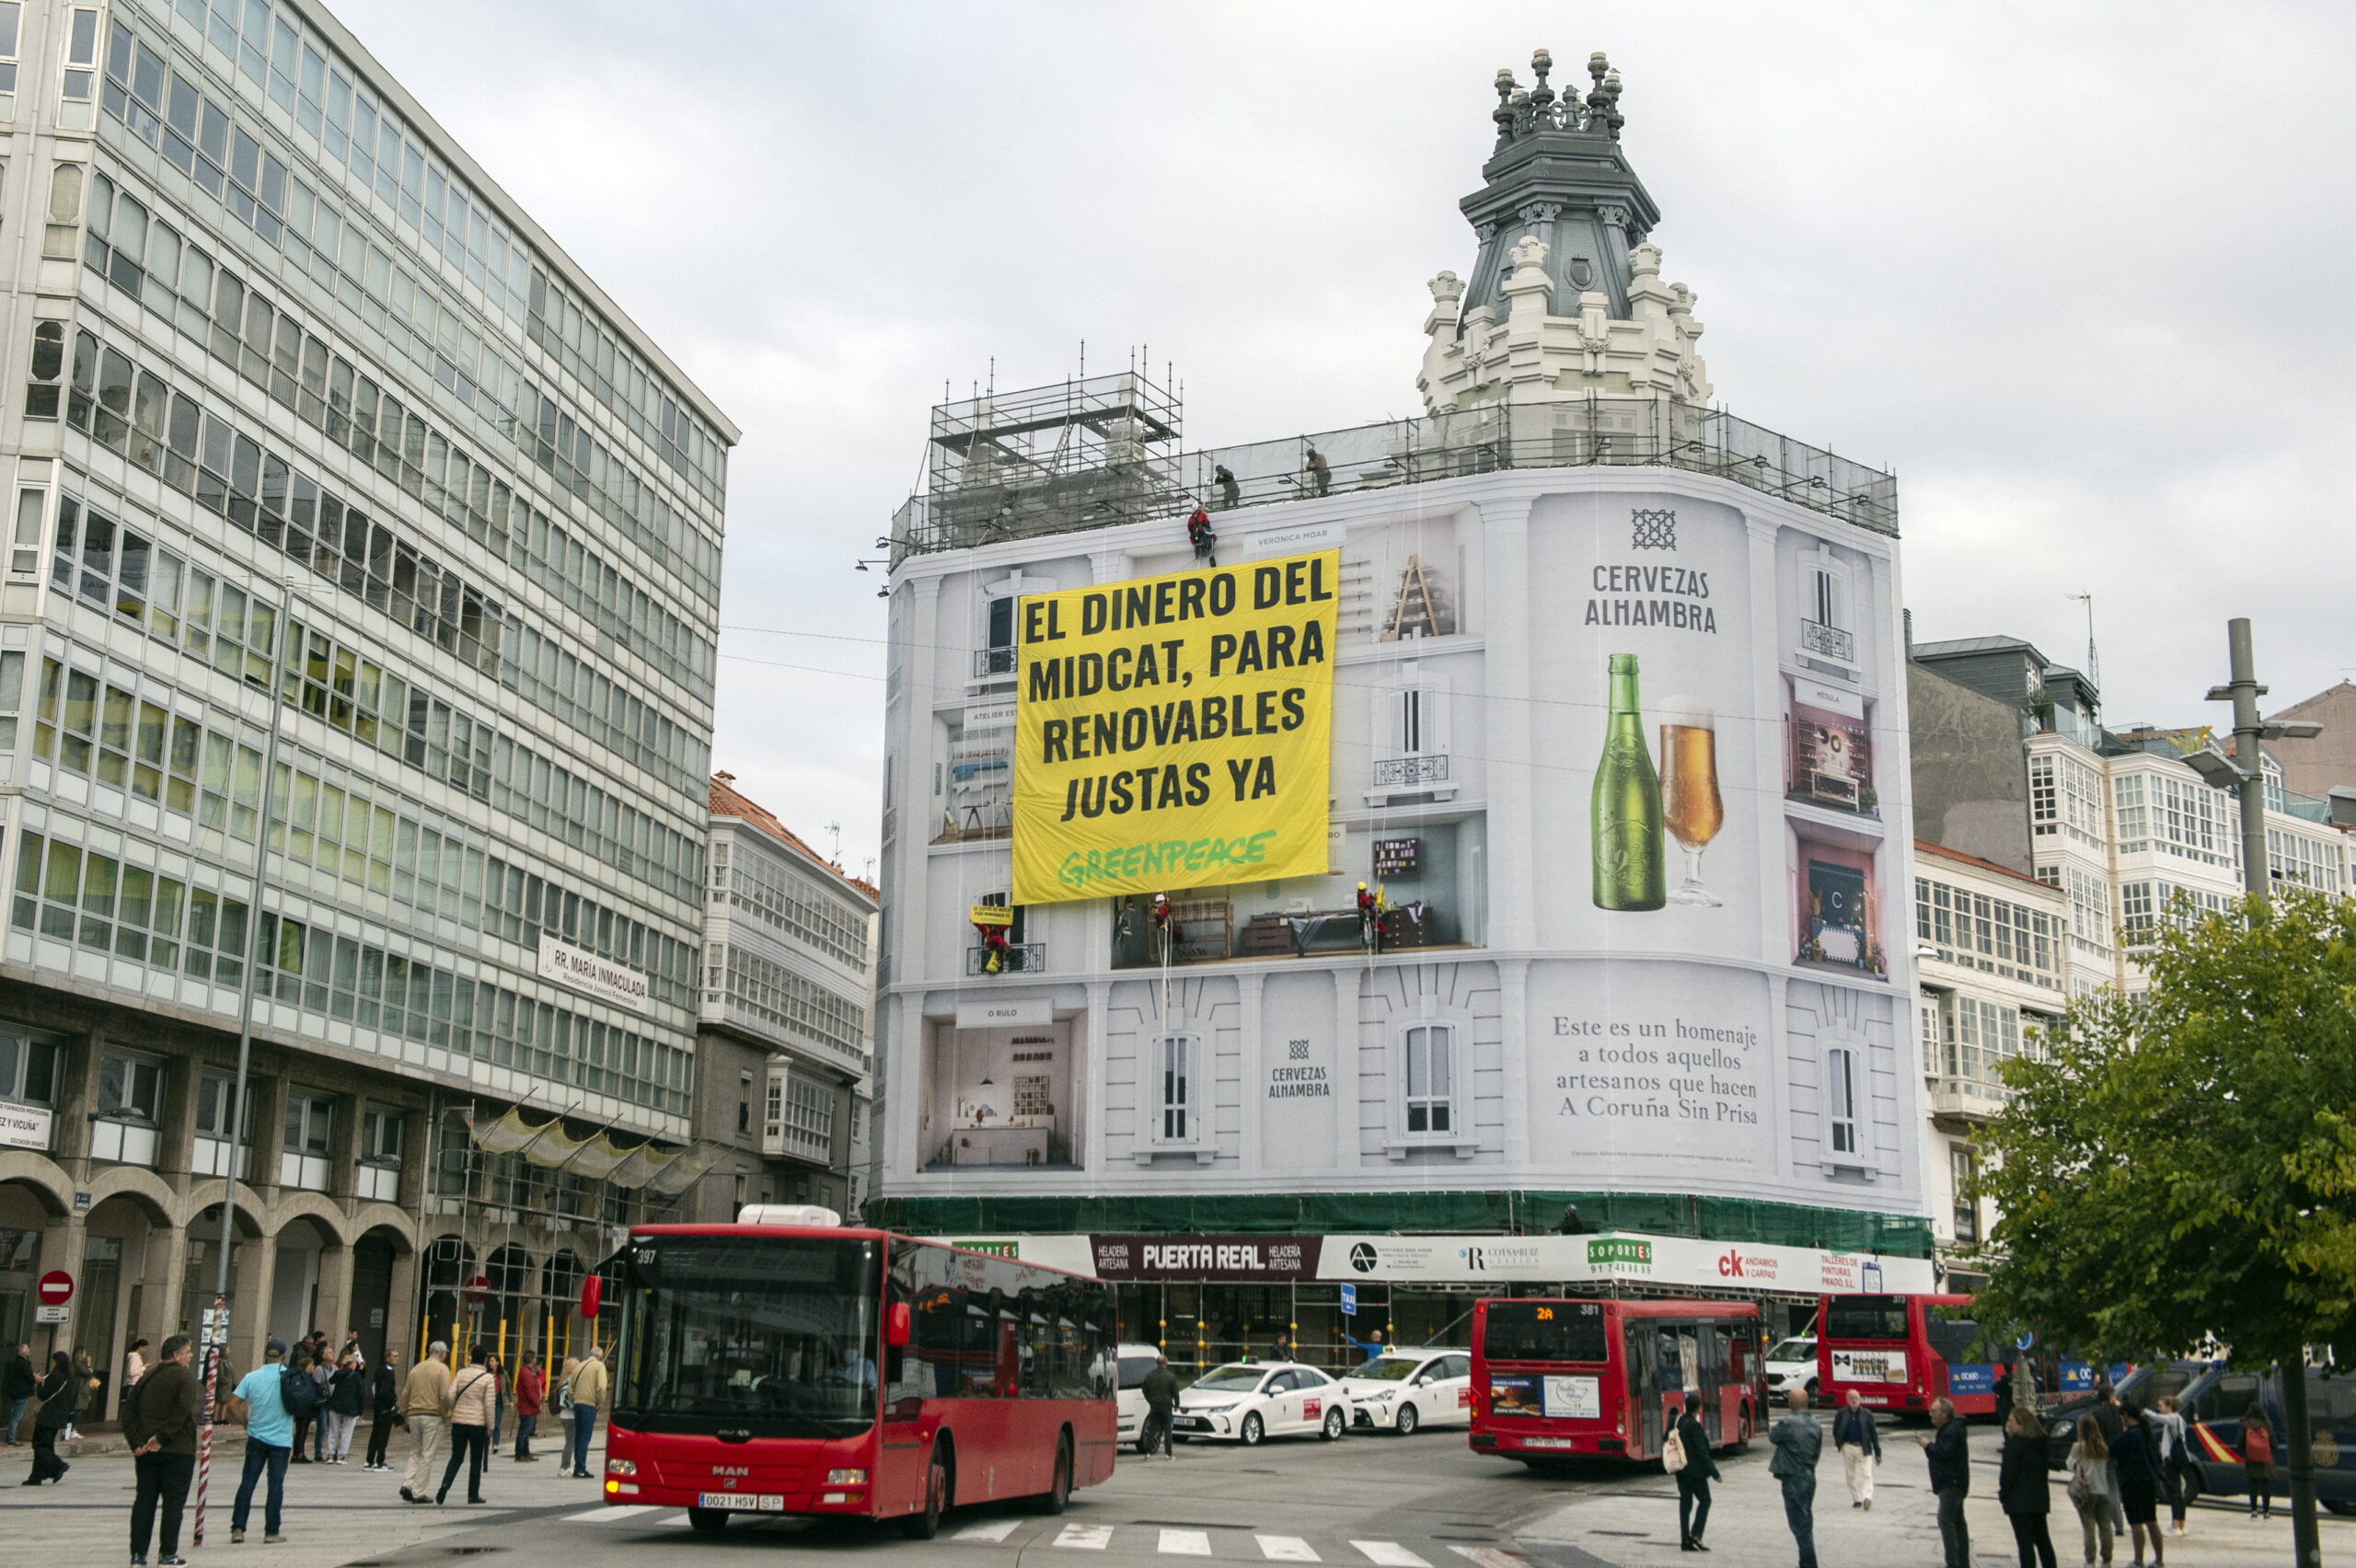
[1174, 731]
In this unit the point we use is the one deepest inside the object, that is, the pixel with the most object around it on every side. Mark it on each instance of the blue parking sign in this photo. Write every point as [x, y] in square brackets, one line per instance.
[1349, 1302]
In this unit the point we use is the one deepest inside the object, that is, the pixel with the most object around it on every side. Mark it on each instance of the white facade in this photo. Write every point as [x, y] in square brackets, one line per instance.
[789, 967]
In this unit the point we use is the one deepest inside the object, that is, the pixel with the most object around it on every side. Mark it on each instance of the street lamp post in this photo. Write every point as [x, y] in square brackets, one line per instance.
[2244, 772]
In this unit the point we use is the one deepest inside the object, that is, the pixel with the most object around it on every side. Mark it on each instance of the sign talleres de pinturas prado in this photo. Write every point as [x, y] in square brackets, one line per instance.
[586, 973]
[1174, 730]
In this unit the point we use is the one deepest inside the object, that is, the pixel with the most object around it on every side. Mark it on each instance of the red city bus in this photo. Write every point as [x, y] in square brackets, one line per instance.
[1899, 1353]
[813, 1368]
[1552, 1379]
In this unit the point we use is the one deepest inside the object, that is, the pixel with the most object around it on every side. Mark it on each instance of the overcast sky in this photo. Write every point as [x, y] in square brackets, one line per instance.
[2081, 275]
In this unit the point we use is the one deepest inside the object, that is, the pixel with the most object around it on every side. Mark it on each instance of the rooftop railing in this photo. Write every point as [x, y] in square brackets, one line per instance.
[1602, 432]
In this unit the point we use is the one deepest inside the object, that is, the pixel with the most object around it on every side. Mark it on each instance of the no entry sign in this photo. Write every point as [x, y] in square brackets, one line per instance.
[56, 1288]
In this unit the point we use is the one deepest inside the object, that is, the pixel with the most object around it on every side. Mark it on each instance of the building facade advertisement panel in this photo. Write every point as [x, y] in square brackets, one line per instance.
[1174, 730]
[24, 1127]
[1870, 1367]
[1680, 1261]
[1204, 1257]
[592, 975]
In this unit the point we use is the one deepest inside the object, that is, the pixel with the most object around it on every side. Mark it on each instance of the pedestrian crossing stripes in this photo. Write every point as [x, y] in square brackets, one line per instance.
[1389, 1554]
[1185, 1543]
[1286, 1549]
[989, 1531]
[1086, 1537]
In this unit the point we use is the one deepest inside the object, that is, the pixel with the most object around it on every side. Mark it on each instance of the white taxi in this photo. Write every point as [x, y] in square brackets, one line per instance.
[1135, 1362]
[1244, 1401]
[1405, 1391]
[1791, 1364]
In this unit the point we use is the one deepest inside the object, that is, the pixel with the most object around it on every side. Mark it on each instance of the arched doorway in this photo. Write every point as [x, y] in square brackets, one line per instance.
[26, 1210]
[449, 1263]
[200, 1279]
[111, 1285]
[560, 1290]
[375, 1257]
[304, 1248]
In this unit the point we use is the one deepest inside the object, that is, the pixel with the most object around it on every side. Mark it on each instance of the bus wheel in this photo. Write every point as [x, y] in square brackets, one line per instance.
[1252, 1430]
[708, 1520]
[1407, 1418]
[925, 1523]
[1059, 1491]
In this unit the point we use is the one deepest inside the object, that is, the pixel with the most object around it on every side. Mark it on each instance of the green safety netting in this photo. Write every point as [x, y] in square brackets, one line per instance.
[1658, 1214]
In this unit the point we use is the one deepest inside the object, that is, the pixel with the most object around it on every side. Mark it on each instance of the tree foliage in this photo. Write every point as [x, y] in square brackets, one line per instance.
[2183, 1163]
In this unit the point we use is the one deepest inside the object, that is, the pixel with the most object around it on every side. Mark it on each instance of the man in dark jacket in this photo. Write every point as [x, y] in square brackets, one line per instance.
[17, 1390]
[1693, 1480]
[384, 1399]
[1160, 1389]
[1856, 1437]
[1798, 1443]
[159, 1425]
[1950, 1454]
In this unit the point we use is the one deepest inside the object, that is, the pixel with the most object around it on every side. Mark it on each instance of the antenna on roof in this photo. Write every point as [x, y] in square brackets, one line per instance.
[837, 859]
[2094, 666]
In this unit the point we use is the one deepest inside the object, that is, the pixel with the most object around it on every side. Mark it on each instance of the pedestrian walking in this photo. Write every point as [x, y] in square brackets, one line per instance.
[1160, 1402]
[159, 1414]
[498, 1364]
[135, 1365]
[299, 1365]
[1948, 1448]
[17, 1387]
[2257, 1461]
[2178, 1475]
[384, 1409]
[425, 1411]
[260, 1403]
[531, 1389]
[1856, 1437]
[347, 1396]
[2107, 1416]
[2004, 1393]
[57, 1394]
[1798, 1442]
[2022, 1489]
[584, 1391]
[1694, 1466]
[322, 1370]
[2137, 1458]
[2090, 1487]
[474, 1395]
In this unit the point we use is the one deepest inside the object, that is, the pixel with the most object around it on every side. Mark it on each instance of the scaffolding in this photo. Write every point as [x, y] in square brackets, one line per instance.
[1087, 453]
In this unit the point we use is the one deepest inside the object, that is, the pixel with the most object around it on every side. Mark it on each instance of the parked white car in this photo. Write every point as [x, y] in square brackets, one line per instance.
[1406, 1391]
[1244, 1401]
[1136, 1361]
[1792, 1364]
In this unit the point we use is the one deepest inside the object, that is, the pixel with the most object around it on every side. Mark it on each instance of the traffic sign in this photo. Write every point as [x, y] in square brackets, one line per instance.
[49, 1314]
[56, 1288]
[1349, 1300]
[2027, 1342]
[479, 1287]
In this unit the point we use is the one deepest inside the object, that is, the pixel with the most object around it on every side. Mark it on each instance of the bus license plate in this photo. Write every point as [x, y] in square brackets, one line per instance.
[774, 1502]
[1546, 1442]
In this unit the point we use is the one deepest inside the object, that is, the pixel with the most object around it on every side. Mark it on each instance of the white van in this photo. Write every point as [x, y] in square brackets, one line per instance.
[1136, 1360]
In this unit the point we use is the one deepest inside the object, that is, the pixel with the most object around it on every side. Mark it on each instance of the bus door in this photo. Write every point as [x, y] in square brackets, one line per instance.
[1638, 1343]
[1713, 1346]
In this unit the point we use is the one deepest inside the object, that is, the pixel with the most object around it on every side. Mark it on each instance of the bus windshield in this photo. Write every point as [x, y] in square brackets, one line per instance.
[769, 1335]
[1546, 1331]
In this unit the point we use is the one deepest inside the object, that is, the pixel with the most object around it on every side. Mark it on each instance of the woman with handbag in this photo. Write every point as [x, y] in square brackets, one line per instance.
[2021, 1487]
[60, 1396]
[384, 1409]
[2090, 1487]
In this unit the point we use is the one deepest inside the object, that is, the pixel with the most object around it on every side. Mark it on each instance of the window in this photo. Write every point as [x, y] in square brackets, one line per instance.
[745, 1102]
[310, 1118]
[1431, 1079]
[131, 1087]
[1174, 1066]
[380, 1136]
[1841, 1103]
[1961, 1166]
[29, 1066]
[11, 15]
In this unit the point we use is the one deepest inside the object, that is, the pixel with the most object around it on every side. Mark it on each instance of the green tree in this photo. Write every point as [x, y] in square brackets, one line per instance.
[2183, 1164]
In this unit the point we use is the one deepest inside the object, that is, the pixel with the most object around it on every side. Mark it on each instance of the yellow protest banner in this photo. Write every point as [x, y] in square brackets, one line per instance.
[1174, 732]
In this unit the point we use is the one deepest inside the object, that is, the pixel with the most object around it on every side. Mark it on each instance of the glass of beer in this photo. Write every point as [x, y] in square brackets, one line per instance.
[1690, 809]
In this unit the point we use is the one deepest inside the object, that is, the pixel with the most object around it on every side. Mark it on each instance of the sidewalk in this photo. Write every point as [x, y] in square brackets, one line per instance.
[1634, 1522]
[335, 1513]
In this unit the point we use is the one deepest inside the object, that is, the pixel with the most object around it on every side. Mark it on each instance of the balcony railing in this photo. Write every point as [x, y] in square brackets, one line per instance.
[1406, 772]
[966, 507]
[1829, 640]
[128, 1143]
[994, 663]
[1021, 958]
[1972, 1099]
[782, 1137]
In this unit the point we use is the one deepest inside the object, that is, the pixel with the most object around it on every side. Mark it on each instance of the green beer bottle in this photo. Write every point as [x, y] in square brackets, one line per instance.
[1631, 872]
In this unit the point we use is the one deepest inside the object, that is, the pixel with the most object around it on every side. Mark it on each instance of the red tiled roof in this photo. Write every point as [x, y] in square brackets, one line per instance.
[1925, 846]
[727, 801]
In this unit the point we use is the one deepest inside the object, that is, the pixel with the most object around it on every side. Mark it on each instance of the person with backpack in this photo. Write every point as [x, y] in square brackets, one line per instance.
[1687, 1457]
[425, 1411]
[263, 1401]
[474, 1395]
[2257, 1461]
[159, 1414]
[299, 1365]
[2090, 1487]
[384, 1409]
[1856, 1437]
